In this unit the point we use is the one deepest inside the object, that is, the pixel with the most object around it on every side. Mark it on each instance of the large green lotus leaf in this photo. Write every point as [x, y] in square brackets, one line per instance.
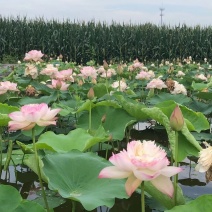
[11, 201]
[31, 206]
[194, 120]
[100, 90]
[37, 130]
[202, 136]
[78, 139]
[3, 97]
[179, 98]
[4, 111]
[17, 157]
[42, 87]
[204, 95]
[205, 108]
[198, 86]
[202, 203]
[54, 200]
[115, 123]
[133, 108]
[158, 115]
[109, 103]
[85, 106]
[65, 110]
[46, 99]
[30, 161]
[75, 176]
[185, 148]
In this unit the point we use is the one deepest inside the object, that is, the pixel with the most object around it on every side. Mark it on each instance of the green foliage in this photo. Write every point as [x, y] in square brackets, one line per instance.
[202, 203]
[85, 43]
[114, 127]
[4, 111]
[78, 139]
[11, 201]
[79, 180]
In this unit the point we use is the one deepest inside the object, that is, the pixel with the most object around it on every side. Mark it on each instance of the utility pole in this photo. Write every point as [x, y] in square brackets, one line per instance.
[161, 15]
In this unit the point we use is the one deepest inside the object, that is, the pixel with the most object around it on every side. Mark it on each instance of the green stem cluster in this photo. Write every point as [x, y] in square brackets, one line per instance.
[176, 165]
[1, 146]
[39, 171]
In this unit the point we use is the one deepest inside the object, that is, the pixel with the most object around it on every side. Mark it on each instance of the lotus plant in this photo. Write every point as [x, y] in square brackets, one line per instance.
[142, 161]
[59, 85]
[156, 83]
[205, 161]
[50, 71]
[65, 75]
[31, 70]
[176, 124]
[7, 86]
[33, 55]
[26, 119]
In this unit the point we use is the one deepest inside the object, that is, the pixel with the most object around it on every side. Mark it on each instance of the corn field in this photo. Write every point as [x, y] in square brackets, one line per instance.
[85, 41]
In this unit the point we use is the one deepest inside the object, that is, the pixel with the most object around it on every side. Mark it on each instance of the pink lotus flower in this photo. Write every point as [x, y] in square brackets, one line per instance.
[7, 86]
[32, 114]
[64, 75]
[123, 85]
[205, 159]
[156, 83]
[88, 71]
[180, 74]
[142, 162]
[58, 84]
[31, 70]
[50, 71]
[144, 75]
[201, 77]
[179, 88]
[109, 73]
[33, 55]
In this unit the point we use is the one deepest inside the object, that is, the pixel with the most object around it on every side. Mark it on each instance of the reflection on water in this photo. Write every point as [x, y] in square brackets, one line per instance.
[193, 183]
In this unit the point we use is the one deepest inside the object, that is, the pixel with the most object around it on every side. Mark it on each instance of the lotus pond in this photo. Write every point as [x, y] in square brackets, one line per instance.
[111, 137]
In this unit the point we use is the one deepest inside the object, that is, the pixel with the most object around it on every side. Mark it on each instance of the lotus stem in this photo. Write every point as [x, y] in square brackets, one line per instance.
[89, 126]
[142, 197]
[0, 152]
[73, 206]
[107, 84]
[39, 171]
[119, 84]
[176, 165]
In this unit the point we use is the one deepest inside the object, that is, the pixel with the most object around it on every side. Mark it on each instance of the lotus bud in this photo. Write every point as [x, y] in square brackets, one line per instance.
[91, 94]
[103, 118]
[58, 84]
[120, 69]
[105, 65]
[176, 119]
[60, 56]
[93, 81]
[80, 82]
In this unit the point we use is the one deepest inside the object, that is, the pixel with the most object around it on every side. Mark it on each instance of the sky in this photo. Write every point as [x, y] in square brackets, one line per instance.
[175, 13]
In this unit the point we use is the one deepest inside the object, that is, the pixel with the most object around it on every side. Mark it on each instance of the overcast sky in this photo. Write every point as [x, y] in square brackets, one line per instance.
[189, 12]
